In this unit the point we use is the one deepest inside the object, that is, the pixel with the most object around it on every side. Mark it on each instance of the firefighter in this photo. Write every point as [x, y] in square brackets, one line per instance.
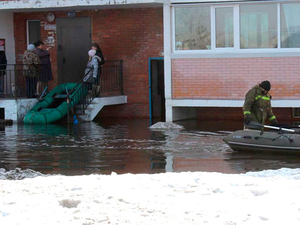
[257, 105]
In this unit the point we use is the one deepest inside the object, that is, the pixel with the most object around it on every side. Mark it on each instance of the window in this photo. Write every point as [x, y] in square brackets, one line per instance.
[258, 26]
[224, 27]
[33, 31]
[192, 28]
[290, 25]
[238, 27]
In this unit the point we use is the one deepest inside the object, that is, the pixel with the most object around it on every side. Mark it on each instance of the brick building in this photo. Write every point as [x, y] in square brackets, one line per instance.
[131, 32]
[218, 50]
[199, 58]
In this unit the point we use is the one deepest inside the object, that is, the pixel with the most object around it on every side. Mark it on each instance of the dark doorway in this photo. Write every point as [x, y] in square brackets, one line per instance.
[73, 43]
[157, 91]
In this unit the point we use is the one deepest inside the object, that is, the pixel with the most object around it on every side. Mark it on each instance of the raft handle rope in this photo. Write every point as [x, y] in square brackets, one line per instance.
[273, 139]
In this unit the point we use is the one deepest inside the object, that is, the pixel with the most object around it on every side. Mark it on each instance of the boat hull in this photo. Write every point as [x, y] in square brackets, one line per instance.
[51, 108]
[267, 141]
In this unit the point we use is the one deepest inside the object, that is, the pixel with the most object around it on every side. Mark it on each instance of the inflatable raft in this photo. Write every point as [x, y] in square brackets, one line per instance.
[267, 141]
[55, 106]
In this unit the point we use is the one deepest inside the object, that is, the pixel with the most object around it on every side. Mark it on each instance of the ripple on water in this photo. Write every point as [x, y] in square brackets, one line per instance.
[127, 147]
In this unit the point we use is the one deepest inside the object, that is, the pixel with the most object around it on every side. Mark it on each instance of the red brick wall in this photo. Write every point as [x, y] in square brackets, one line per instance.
[231, 78]
[131, 35]
[284, 115]
[21, 38]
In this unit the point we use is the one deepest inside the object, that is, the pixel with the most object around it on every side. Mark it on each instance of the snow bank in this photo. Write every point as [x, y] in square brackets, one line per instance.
[267, 197]
[18, 174]
[166, 126]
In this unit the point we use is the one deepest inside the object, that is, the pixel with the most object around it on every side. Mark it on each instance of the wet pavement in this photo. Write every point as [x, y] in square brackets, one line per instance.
[130, 146]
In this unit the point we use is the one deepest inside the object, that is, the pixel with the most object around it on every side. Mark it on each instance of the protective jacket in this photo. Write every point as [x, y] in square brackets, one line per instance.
[258, 105]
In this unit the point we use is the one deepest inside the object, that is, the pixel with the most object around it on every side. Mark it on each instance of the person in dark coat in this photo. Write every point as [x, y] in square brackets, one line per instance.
[3, 63]
[46, 72]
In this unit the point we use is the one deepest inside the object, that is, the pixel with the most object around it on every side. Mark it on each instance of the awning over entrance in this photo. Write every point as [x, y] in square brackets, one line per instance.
[33, 5]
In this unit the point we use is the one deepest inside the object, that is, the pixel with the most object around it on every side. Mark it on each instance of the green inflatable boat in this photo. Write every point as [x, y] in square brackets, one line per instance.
[55, 106]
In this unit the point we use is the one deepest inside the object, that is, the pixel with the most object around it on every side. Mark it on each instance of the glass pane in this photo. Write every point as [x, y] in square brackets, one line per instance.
[290, 25]
[224, 27]
[34, 31]
[192, 28]
[258, 26]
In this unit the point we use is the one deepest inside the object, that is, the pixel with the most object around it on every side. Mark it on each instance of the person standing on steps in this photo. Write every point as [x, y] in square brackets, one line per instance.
[91, 72]
[99, 53]
[32, 65]
[46, 71]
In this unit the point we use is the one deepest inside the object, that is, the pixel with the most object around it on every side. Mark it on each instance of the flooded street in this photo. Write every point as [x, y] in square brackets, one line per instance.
[129, 146]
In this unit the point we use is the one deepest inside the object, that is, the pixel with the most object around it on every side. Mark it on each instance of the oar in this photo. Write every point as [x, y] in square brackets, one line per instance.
[43, 93]
[256, 124]
[288, 126]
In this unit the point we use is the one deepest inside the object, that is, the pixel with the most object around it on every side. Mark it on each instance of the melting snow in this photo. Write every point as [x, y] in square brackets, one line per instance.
[166, 126]
[267, 197]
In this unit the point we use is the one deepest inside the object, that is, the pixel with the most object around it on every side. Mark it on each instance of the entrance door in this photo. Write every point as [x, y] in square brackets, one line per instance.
[157, 86]
[73, 43]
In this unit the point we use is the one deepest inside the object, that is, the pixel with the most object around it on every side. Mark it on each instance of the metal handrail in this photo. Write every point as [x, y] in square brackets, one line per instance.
[14, 83]
[108, 71]
[111, 79]
[83, 90]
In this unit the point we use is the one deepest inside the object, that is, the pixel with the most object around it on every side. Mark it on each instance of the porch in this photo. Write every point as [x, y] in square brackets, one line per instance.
[124, 33]
[16, 102]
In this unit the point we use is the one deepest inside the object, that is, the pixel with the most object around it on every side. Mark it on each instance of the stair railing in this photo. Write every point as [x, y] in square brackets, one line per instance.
[83, 93]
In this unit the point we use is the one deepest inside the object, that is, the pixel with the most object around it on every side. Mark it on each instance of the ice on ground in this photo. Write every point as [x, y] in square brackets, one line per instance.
[18, 174]
[268, 198]
[166, 126]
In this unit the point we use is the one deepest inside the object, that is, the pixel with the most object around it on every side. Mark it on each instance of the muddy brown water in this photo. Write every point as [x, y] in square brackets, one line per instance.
[130, 146]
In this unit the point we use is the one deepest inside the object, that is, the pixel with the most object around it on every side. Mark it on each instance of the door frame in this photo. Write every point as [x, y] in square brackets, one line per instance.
[59, 51]
[150, 86]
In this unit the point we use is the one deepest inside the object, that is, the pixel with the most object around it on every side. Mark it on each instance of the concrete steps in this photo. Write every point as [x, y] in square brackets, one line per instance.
[98, 103]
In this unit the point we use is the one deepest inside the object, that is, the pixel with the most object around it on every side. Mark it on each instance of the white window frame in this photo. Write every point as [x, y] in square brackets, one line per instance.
[173, 29]
[214, 28]
[236, 16]
[278, 27]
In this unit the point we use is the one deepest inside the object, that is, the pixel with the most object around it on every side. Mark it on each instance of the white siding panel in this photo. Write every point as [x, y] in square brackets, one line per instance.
[7, 33]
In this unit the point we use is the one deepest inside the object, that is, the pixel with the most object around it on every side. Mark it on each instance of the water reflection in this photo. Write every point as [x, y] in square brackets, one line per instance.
[129, 146]
[258, 161]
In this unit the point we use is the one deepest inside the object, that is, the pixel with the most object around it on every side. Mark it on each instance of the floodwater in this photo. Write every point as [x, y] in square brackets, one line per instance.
[130, 146]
